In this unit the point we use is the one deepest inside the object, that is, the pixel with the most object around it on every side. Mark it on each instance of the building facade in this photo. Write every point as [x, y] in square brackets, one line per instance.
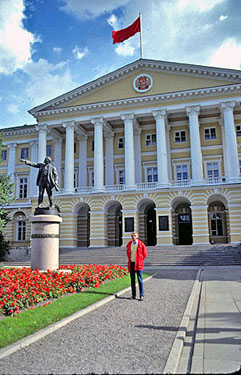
[153, 147]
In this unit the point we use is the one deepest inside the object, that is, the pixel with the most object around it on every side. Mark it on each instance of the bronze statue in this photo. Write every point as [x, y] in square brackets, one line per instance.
[46, 180]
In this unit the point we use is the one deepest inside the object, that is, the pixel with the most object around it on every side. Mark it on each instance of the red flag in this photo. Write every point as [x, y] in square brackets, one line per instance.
[123, 34]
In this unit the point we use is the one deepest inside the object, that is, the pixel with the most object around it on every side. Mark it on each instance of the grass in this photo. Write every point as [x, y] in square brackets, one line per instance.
[14, 328]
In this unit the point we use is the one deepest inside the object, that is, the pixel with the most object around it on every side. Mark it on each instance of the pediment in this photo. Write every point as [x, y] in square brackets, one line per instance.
[166, 78]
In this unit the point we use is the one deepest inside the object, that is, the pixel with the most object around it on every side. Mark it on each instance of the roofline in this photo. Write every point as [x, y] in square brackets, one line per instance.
[172, 66]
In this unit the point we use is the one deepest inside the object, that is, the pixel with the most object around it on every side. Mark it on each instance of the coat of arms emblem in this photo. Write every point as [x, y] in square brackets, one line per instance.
[142, 83]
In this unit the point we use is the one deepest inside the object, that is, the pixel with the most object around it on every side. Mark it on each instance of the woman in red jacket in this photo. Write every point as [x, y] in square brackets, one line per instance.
[136, 253]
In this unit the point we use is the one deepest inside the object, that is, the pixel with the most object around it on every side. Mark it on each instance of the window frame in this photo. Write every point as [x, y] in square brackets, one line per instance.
[180, 136]
[238, 130]
[176, 166]
[121, 143]
[19, 186]
[22, 153]
[4, 152]
[210, 137]
[152, 139]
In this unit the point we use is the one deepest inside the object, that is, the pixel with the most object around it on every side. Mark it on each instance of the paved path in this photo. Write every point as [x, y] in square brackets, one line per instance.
[123, 336]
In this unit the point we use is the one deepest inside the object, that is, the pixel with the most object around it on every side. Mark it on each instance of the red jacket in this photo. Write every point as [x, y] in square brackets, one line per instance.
[141, 253]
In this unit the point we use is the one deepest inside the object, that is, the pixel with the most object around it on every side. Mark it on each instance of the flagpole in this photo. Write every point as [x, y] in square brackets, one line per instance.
[140, 35]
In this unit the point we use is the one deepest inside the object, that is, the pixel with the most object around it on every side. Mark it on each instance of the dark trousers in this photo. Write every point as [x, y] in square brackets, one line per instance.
[133, 280]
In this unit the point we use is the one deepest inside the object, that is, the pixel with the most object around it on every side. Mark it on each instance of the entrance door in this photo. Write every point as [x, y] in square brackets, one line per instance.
[185, 229]
[151, 226]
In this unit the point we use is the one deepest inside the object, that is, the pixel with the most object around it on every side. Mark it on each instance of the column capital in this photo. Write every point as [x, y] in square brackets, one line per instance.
[97, 120]
[227, 106]
[160, 114]
[193, 110]
[33, 143]
[41, 127]
[128, 117]
[69, 125]
[12, 146]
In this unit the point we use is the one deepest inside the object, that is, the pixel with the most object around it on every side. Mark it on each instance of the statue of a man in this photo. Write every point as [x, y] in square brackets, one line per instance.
[47, 178]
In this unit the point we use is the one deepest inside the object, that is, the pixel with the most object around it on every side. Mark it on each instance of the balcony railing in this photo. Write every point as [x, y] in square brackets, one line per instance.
[180, 183]
[149, 186]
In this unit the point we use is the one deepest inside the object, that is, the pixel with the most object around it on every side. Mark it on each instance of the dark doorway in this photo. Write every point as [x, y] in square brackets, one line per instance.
[151, 226]
[185, 229]
[83, 226]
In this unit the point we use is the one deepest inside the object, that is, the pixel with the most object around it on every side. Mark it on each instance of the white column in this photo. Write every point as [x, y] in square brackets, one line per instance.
[42, 142]
[109, 159]
[98, 154]
[33, 171]
[231, 142]
[69, 158]
[11, 161]
[58, 156]
[137, 147]
[129, 151]
[161, 144]
[195, 145]
[83, 160]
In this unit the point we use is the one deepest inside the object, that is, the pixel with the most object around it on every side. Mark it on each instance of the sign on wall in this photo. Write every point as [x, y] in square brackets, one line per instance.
[163, 223]
[129, 224]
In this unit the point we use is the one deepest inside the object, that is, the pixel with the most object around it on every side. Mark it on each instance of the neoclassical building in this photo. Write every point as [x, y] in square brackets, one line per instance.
[154, 146]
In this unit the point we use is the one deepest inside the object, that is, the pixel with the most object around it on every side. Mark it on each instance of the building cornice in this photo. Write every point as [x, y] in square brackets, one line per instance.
[25, 130]
[144, 100]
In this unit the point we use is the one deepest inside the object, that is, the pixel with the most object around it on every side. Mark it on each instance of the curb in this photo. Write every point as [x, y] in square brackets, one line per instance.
[26, 341]
[177, 347]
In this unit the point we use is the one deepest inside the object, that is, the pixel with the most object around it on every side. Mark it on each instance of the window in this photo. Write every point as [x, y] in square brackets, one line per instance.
[75, 147]
[180, 136]
[21, 229]
[120, 142]
[152, 174]
[216, 223]
[92, 178]
[210, 133]
[93, 146]
[4, 155]
[121, 177]
[182, 172]
[24, 153]
[213, 170]
[76, 175]
[49, 150]
[150, 139]
[240, 166]
[23, 187]
[238, 130]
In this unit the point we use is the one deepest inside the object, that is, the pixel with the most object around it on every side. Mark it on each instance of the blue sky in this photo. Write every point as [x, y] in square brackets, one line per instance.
[49, 47]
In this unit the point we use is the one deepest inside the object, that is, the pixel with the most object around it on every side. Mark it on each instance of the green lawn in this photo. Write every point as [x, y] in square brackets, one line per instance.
[14, 328]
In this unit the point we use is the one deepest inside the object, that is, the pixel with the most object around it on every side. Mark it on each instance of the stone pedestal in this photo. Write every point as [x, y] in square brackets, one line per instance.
[45, 242]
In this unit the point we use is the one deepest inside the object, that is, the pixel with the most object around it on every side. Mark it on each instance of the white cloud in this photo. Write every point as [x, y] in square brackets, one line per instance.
[13, 108]
[15, 41]
[124, 49]
[113, 22]
[57, 49]
[222, 17]
[47, 81]
[91, 8]
[228, 55]
[201, 5]
[79, 53]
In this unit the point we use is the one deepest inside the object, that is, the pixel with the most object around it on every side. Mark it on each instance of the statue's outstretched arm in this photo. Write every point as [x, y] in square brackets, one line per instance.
[29, 162]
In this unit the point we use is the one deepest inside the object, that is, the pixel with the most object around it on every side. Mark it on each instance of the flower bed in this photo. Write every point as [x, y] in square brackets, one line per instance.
[23, 288]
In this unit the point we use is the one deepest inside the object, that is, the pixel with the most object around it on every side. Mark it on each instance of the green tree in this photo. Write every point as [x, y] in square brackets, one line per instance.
[6, 189]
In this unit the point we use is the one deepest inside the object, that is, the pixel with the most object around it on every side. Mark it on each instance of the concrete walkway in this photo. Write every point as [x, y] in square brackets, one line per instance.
[217, 341]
